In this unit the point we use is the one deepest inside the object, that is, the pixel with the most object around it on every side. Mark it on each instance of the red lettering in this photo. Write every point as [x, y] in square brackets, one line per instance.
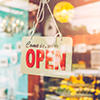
[59, 60]
[49, 58]
[38, 58]
[30, 51]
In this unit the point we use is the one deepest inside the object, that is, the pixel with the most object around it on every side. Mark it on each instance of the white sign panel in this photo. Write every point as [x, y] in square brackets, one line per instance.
[47, 56]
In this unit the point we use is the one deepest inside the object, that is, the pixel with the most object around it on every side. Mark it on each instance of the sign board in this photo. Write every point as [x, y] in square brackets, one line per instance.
[95, 58]
[46, 56]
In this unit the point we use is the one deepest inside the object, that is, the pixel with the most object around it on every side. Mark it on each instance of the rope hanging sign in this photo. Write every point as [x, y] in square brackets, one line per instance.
[46, 56]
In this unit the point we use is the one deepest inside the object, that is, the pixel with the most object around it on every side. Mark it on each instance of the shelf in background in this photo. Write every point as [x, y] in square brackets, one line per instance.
[76, 95]
[87, 85]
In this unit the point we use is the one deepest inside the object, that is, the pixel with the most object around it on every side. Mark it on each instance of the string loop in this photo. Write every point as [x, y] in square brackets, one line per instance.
[40, 17]
[45, 1]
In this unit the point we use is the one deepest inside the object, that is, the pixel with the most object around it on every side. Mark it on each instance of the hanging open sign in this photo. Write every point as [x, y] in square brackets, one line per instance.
[47, 56]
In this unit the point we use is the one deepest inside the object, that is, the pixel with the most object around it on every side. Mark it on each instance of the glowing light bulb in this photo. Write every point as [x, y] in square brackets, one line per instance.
[21, 23]
[64, 11]
[4, 21]
[14, 25]
[17, 21]
[1, 24]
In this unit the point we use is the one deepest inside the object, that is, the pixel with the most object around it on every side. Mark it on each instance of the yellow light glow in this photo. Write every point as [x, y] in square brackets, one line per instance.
[21, 23]
[47, 95]
[63, 12]
[14, 25]
[17, 21]
[61, 97]
[4, 21]
[1, 25]
[67, 98]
